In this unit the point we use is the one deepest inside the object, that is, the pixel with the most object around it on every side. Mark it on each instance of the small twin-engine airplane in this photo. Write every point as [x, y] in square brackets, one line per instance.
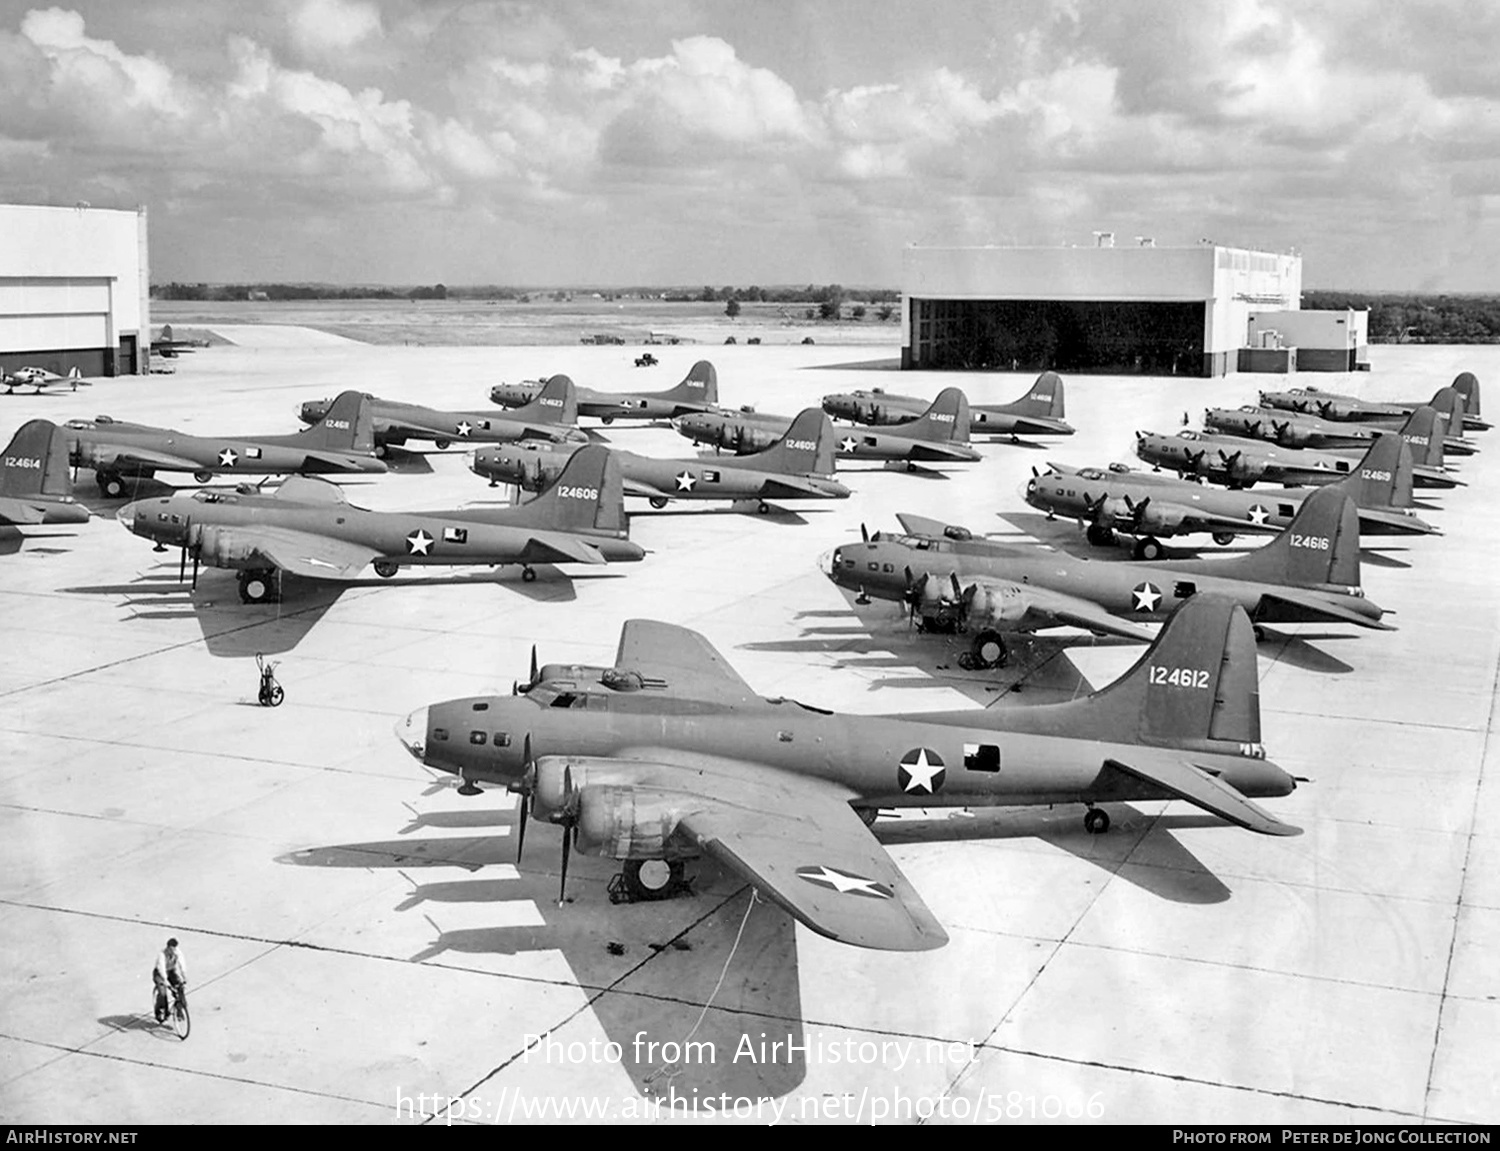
[551, 415]
[698, 391]
[118, 452]
[1118, 500]
[940, 434]
[950, 580]
[1241, 463]
[34, 484]
[1038, 413]
[669, 755]
[40, 378]
[307, 528]
[798, 466]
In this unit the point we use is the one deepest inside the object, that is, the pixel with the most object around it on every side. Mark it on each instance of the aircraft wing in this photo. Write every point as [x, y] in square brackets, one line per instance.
[797, 840]
[306, 554]
[678, 655]
[1033, 606]
[1201, 788]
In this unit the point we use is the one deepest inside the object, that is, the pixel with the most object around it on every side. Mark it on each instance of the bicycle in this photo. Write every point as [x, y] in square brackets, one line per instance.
[177, 1012]
[271, 693]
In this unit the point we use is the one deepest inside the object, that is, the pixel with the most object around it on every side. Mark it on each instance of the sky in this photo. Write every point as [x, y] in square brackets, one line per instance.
[667, 142]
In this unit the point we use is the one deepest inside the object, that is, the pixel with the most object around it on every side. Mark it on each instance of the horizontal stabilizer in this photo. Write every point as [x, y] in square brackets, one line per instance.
[1198, 787]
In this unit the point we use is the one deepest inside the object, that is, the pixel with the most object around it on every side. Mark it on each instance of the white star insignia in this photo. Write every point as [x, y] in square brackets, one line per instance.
[1146, 597]
[227, 458]
[419, 543]
[685, 481]
[923, 769]
[848, 443]
[843, 882]
[464, 428]
[1259, 514]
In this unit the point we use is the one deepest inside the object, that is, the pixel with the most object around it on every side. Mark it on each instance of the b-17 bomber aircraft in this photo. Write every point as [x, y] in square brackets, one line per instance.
[307, 528]
[1146, 505]
[34, 484]
[342, 441]
[1241, 463]
[1038, 413]
[1295, 430]
[698, 391]
[1337, 406]
[39, 379]
[1308, 573]
[551, 415]
[669, 755]
[798, 466]
[939, 435]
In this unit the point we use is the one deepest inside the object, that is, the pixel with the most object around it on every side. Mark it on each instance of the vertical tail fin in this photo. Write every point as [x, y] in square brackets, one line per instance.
[588, 497]
[1044, 399]
[1320, 546]
[700, 385]
[1449, 405]
[1384, 477]
[347, 426]
[805, 449]
[1423, 433]
[35, 463]
[945, 420]
[1466, 384]
[1197, 684]
[556, 403]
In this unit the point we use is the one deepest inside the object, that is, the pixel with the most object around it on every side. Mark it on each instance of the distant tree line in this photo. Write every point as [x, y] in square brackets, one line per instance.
[176, 291]
[1418, 319]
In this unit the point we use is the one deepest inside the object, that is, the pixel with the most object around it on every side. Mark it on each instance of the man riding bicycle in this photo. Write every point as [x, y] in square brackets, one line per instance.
[168, 970]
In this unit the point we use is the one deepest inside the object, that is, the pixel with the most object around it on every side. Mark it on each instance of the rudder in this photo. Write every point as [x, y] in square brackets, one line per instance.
[347, 425]
[1425, 436]
[1044, 399]
[1466, 384]
[556, 403]
[700, 385]
[946, 420]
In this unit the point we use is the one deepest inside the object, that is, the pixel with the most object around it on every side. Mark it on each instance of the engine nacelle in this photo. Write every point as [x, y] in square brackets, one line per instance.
[220, 546]
[991, 605]
[613, 816]
[1160, 521]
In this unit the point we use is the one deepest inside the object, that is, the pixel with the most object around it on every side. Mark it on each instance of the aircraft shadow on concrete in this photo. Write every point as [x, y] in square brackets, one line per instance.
[778, 515]
[888, 364]
[1296, 651]
[919, 471]
[408, 463]
[672, 969]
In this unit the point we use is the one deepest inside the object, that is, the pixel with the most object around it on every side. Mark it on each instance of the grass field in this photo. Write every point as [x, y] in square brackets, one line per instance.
[473, 323]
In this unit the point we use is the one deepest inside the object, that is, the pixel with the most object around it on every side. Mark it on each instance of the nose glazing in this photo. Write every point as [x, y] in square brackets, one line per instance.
[412, 732]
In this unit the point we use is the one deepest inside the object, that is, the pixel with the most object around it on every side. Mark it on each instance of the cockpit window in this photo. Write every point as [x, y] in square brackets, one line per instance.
[215, 498]
[1091, 474]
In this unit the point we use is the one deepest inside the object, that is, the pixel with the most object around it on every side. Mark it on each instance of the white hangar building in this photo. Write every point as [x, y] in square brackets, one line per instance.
[1156, 311]
[74, 290]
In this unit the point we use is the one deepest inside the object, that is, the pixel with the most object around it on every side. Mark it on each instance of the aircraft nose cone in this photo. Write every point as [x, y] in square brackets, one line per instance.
[412, 731]
[828, 562]
[127, 514]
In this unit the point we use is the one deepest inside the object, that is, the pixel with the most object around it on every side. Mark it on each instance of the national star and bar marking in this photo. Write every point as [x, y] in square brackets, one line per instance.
[844, 882]
[419, 543]
[685, 481]
[464, 428]
[848, 444]
[227, 458]
[1259, 513]
[1146, 596]
[921, 771]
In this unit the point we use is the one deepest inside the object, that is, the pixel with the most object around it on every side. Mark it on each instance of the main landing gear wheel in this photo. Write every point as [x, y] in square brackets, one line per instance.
[1096, 821]
[1223, 539]
[1099, 536]
[386, 568]
[650, 879]
[381, 451]
[110, 485]
[528, 575]
[1148, 548]
[987, 651]
[658, 502]
[260, 586]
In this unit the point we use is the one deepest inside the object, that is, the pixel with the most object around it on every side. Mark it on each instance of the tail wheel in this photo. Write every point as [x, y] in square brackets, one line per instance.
[1096, 821]
[528, 575]
[652, 879]
[658, 502]
[1148, 548]
[764, 509]
[990, 650]
[1099, 535]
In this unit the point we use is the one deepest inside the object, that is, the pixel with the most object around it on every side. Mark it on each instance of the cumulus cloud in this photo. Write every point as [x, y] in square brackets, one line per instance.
[327, 27]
